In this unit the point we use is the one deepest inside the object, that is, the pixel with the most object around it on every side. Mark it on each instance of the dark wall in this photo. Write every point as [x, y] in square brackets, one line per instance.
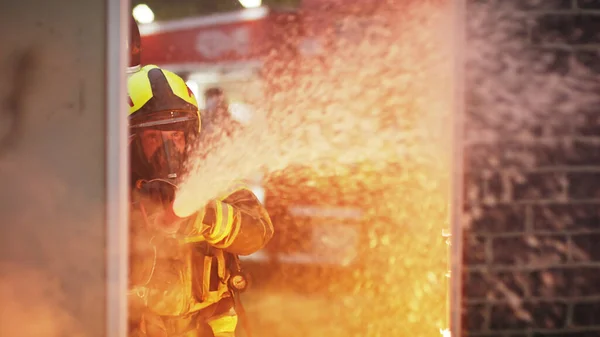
[532, 194]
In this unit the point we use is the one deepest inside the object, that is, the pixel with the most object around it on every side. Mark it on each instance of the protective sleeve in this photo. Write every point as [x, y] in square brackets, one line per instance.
[237, 223]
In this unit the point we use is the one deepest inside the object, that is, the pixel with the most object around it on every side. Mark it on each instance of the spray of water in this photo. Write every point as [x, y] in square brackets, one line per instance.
[377, 100]
[363, 126]
[38, 313]
[370, 120]
[370, 111]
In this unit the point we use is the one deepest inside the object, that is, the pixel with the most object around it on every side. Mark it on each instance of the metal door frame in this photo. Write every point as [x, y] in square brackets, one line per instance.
[456, 246]
[117, 161]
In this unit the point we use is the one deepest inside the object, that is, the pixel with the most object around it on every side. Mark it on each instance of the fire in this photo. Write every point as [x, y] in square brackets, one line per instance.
[365, 127]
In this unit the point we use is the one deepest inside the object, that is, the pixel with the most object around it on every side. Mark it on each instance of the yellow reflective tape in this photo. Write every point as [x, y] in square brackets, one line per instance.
[206, 277]
[180, 89]
[229, 240]
[218, 225]
[230, 213]
[139, 88]
[220, 263]
[224, 325]
[225, 218]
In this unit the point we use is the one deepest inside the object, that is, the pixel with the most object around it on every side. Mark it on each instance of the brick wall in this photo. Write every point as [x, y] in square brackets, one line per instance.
[532, 195]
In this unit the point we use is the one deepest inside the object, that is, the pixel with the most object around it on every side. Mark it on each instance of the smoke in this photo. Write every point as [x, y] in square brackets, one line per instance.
[52, 280]
[52, 170]
[33, 303]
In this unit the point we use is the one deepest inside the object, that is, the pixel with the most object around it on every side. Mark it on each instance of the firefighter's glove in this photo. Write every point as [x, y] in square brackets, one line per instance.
[218, 222]
[210, 214]
[213, 221]
[158, 190]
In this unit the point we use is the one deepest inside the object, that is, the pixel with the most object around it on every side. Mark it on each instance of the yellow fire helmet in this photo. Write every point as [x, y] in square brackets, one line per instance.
[164, 123]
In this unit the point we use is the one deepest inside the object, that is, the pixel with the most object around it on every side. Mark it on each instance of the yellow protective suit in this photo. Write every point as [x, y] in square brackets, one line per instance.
[179, 278]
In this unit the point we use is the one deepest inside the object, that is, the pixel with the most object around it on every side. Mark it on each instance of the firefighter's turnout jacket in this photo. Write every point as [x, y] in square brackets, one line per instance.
[179, 280]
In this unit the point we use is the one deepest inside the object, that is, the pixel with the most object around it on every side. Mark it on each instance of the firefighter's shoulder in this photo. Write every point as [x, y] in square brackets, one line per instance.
[238, 190]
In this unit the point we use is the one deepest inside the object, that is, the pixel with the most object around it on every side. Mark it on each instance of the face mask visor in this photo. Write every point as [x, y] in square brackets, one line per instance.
[162, 145]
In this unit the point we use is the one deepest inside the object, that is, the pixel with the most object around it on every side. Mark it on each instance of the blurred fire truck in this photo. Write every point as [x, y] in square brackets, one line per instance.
[225, 50]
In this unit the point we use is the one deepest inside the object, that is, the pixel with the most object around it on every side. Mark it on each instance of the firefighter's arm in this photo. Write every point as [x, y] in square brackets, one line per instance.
[238, 223]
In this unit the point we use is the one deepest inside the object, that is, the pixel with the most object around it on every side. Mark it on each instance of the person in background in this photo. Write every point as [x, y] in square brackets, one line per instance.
[216, 118]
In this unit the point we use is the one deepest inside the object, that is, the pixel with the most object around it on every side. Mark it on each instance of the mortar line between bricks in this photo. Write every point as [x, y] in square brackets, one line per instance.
[544, 202]
[570, 265]
[528, 332]
[565, 11]
[569, 48]
[536, 232]
[565, 169]
[538, 140]
[545, 332]
[557, 299]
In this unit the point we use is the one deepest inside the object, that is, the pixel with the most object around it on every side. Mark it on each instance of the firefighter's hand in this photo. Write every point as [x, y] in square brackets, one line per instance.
[158, 190]
[210, 214]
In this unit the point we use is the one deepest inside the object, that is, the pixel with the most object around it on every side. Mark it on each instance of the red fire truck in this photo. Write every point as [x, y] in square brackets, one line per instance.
[226, 50]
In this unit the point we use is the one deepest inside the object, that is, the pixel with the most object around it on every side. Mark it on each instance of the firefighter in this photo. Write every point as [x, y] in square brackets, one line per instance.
[216, 107]
[185, 275]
